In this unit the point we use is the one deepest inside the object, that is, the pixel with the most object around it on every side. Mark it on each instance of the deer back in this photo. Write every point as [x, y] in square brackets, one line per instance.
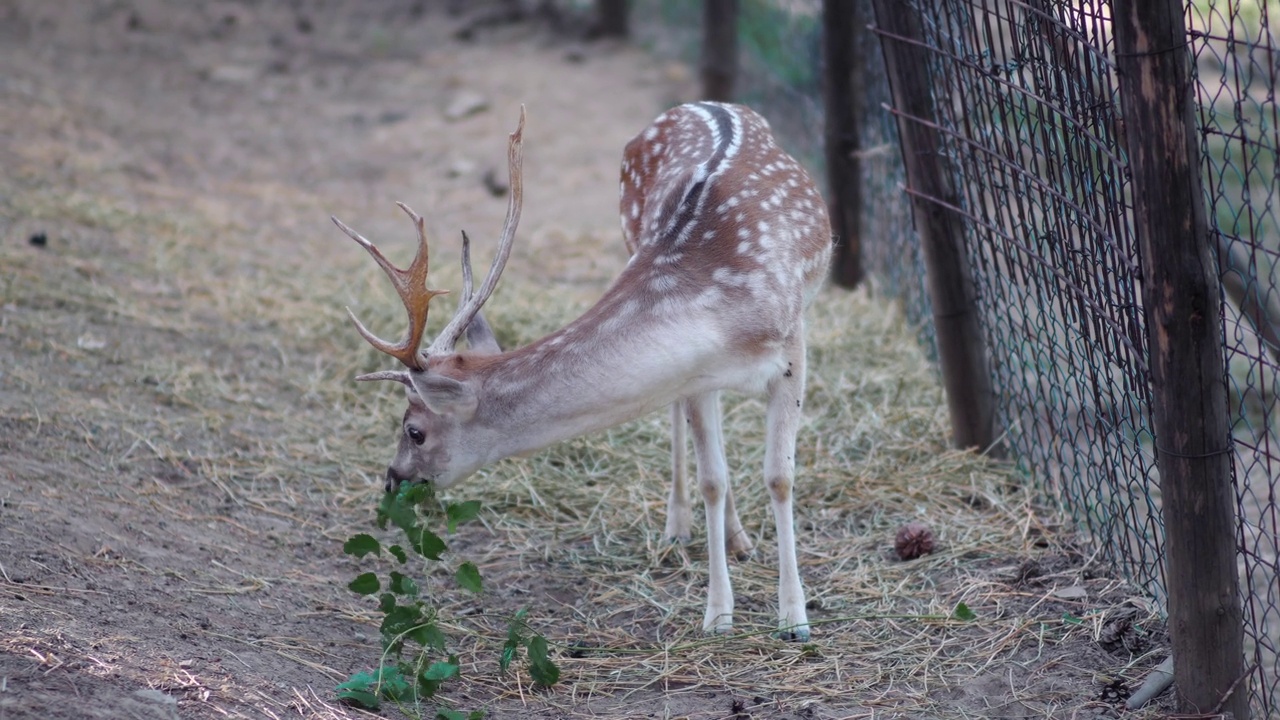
[716, 213]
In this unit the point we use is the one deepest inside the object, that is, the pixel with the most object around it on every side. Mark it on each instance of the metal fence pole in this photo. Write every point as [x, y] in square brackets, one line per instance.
[1184, 337]
[961, 350]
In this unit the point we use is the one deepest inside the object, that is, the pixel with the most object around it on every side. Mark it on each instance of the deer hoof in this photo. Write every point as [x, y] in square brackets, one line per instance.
[740, 547]
[794, 633]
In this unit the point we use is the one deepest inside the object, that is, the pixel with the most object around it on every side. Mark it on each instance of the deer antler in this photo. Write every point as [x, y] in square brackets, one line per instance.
[411, 285]
[448, 338]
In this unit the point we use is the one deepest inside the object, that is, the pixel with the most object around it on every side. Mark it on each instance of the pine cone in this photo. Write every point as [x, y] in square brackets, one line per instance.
[914, 539]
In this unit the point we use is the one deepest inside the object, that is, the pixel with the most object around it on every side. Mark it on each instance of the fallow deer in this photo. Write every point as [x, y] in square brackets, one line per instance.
[729, 242]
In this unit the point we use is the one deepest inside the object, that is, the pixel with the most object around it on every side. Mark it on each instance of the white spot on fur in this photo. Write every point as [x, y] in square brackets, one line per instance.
[663, 283]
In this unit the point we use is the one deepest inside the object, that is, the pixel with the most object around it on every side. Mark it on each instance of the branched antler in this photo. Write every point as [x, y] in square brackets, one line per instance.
[448, 338]
[411, 285]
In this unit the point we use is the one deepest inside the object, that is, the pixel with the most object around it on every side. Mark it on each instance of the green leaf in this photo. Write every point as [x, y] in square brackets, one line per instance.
[514, 640]
[461, 512]
[415, 494]
[962, 612]
[537, 648]
[403, 585]
[361, 545]
[402, 620]
[508, 654]
[357, 681]
[543, 671]
[431, 637]
[449, 714]
[364, 688]
[399, 553]
[400, 508]
[428, 544]
[1071, 619]
[392, 683]
[428, 636]
[365, 584]
[403, 617]
[363, 698]
[440, 671]
[468, 577]
[386, 602]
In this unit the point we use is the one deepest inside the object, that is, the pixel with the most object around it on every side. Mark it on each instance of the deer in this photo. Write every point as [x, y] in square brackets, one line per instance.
[729, 243]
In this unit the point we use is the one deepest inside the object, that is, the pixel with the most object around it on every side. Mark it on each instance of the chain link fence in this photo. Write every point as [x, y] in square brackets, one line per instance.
[1027, 104]
[1236, 46]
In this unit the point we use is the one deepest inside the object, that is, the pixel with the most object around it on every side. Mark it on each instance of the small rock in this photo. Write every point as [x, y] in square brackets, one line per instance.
[496, 187]
[233, 74]
[156, 696]
[90, 342]
[391, 117]
[151, 705]
[465, 104]
[460, 167]
[1074, 592]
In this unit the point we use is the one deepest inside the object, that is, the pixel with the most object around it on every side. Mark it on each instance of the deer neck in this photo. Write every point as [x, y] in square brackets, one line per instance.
[586, 377]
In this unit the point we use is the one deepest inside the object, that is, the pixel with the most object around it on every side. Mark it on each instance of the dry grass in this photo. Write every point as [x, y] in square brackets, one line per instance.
[204, 379]
[575, 532]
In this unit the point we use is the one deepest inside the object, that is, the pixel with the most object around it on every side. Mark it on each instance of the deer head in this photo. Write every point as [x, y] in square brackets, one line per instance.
[434, 443]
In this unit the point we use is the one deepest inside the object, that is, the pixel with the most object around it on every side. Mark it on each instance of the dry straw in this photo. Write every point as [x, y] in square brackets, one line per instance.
[252, 395]
[574, 534]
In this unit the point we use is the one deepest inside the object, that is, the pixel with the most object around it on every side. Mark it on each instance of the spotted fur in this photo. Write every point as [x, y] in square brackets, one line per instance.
[729, 243]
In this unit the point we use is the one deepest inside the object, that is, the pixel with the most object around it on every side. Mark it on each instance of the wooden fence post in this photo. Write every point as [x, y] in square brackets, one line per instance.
[611, 18]
[1184, 339]
[961, 349]
[719, 49]
[844, 87]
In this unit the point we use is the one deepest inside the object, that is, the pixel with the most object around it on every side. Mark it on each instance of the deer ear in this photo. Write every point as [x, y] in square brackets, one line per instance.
[480, 337]
[444, 395]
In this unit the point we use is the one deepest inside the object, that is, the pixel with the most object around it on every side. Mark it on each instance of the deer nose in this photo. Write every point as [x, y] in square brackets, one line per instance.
[394, 478]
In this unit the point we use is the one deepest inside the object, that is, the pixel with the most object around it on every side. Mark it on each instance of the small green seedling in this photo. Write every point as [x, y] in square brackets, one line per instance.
[411, 678]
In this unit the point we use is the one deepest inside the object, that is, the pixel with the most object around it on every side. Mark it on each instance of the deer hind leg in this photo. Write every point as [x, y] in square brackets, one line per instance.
[786, 398]
[713, 480]
[680, 510]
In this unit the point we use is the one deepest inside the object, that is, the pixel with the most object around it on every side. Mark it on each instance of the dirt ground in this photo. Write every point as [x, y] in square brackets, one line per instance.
[177, 469]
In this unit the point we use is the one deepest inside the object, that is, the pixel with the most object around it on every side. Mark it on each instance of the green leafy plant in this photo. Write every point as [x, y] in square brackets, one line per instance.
[413, 677]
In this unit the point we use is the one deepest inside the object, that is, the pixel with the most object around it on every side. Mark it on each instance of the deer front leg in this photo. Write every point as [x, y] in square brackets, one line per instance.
[679, 509]
[713, 481]
[786, 398]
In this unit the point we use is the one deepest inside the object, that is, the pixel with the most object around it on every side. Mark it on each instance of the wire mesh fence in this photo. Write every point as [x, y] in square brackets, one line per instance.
[1027, 103]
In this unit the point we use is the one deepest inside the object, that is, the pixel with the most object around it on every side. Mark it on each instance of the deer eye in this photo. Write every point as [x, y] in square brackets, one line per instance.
[415, 435]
